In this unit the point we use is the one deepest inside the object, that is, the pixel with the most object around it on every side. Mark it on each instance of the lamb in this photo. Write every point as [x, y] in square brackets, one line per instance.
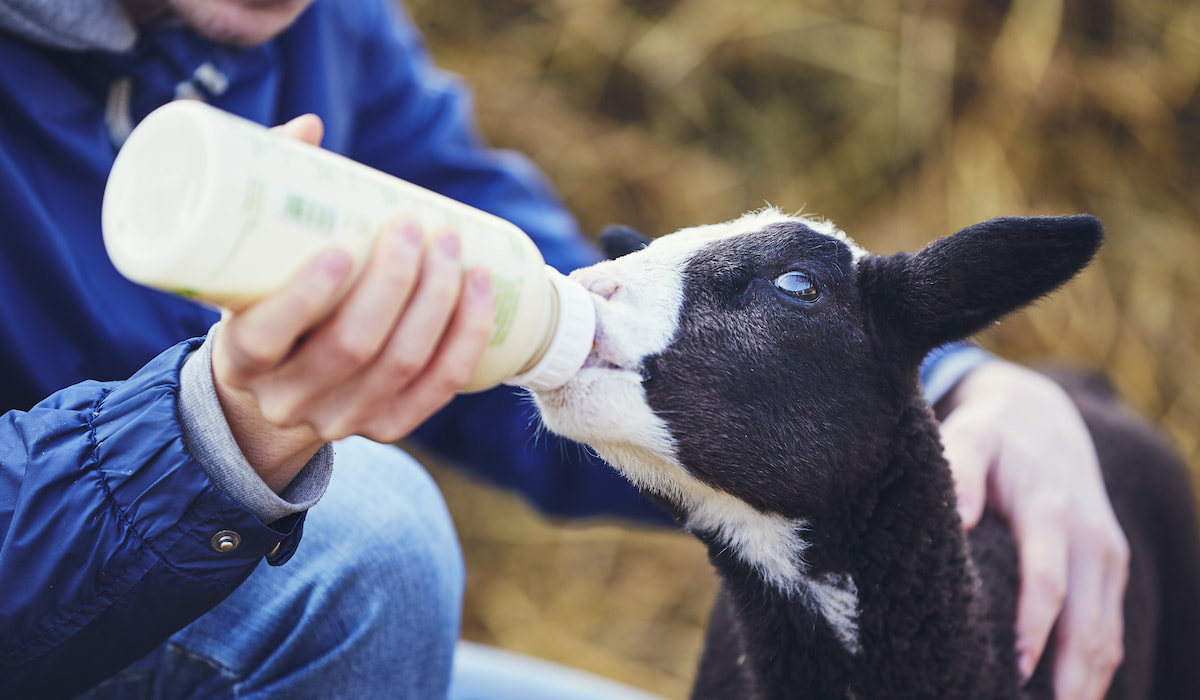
[758, 379]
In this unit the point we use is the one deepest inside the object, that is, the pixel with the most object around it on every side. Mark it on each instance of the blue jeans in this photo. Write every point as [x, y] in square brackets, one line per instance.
[368, 607]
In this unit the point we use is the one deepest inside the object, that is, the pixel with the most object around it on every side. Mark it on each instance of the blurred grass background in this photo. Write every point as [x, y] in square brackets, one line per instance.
[901, 122]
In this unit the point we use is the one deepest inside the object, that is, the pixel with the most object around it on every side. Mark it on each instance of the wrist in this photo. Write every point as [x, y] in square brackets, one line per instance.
[276, 454]
[1011, 385]
[210, 441]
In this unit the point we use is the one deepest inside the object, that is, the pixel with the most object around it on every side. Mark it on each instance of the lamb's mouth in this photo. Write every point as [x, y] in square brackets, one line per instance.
[595, 369]
[594, 361]
[598, 367]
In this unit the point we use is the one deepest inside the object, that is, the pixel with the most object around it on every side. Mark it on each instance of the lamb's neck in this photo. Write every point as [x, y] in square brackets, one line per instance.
[883, 592]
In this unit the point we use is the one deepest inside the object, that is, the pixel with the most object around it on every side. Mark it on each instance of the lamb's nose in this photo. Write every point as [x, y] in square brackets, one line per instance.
[597, 283]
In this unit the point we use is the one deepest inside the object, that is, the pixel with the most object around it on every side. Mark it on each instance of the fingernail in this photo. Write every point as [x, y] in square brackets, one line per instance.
[330, 270]
[481, 282]
[963, 505]
[448, 245]
[408, 233]
[325, 274]
[1024, 667]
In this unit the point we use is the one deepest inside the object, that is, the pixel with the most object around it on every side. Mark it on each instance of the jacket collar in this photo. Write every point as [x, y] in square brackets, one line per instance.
[139, 68]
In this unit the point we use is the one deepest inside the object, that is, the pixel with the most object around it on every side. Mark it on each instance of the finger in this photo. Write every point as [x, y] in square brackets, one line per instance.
[970, 456]
[1091, 629]
[259, 337]
[455, 362]
[364, 323]
[307, 128]
[1042, 545]
[1113, 605]
[429, 313]
[1074, 645]
[407, 351]
[359, 328]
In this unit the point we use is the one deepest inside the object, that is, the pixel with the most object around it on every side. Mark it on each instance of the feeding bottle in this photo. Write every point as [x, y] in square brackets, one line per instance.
[215, 207]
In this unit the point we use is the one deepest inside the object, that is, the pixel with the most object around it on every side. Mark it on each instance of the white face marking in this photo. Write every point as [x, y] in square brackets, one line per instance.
[638, 299]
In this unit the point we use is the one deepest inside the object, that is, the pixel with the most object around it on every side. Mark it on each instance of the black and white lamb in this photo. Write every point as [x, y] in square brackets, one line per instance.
[759, 380]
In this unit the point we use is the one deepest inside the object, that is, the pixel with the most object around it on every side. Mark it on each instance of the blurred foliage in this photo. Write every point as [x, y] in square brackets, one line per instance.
[899, 121]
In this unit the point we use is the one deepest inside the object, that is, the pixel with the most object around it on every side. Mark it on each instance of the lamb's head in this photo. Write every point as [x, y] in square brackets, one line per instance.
[756, 364]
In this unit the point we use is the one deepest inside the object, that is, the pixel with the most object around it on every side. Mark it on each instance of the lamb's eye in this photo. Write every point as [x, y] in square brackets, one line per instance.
[798, 285]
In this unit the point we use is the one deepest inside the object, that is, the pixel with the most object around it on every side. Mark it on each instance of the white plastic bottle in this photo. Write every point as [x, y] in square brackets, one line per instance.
[212, 206]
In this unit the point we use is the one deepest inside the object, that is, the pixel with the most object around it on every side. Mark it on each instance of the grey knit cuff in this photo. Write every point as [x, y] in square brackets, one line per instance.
[207, 436]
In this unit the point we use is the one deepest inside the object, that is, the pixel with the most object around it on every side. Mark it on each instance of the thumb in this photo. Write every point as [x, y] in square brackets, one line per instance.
[970, 458]
[307, 128]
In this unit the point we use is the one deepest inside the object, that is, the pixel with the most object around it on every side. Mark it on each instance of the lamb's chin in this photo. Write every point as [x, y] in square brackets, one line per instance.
[599, 404]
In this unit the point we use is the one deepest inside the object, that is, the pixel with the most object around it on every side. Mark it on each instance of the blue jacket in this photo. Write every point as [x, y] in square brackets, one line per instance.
[106, 520]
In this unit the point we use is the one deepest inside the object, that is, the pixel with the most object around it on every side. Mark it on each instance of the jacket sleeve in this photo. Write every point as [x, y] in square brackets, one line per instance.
[944, 366]
[113, 536]
[416, 122]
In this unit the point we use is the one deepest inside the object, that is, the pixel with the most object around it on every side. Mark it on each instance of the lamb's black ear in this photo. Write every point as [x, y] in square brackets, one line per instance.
[618, 240]
[960, 284]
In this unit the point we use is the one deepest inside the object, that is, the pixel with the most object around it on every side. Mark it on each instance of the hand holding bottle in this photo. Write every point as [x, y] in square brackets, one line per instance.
[217, 208]
[357, 303]
[325, 357]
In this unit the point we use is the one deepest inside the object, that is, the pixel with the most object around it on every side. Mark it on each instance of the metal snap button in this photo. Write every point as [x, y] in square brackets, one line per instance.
[275, 550]
[225, 541]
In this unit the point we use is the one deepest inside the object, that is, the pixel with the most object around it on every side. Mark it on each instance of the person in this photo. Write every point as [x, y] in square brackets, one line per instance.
[154, 454]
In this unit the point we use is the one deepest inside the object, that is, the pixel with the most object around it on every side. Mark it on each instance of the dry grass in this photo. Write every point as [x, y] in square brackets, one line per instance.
[900, 121]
